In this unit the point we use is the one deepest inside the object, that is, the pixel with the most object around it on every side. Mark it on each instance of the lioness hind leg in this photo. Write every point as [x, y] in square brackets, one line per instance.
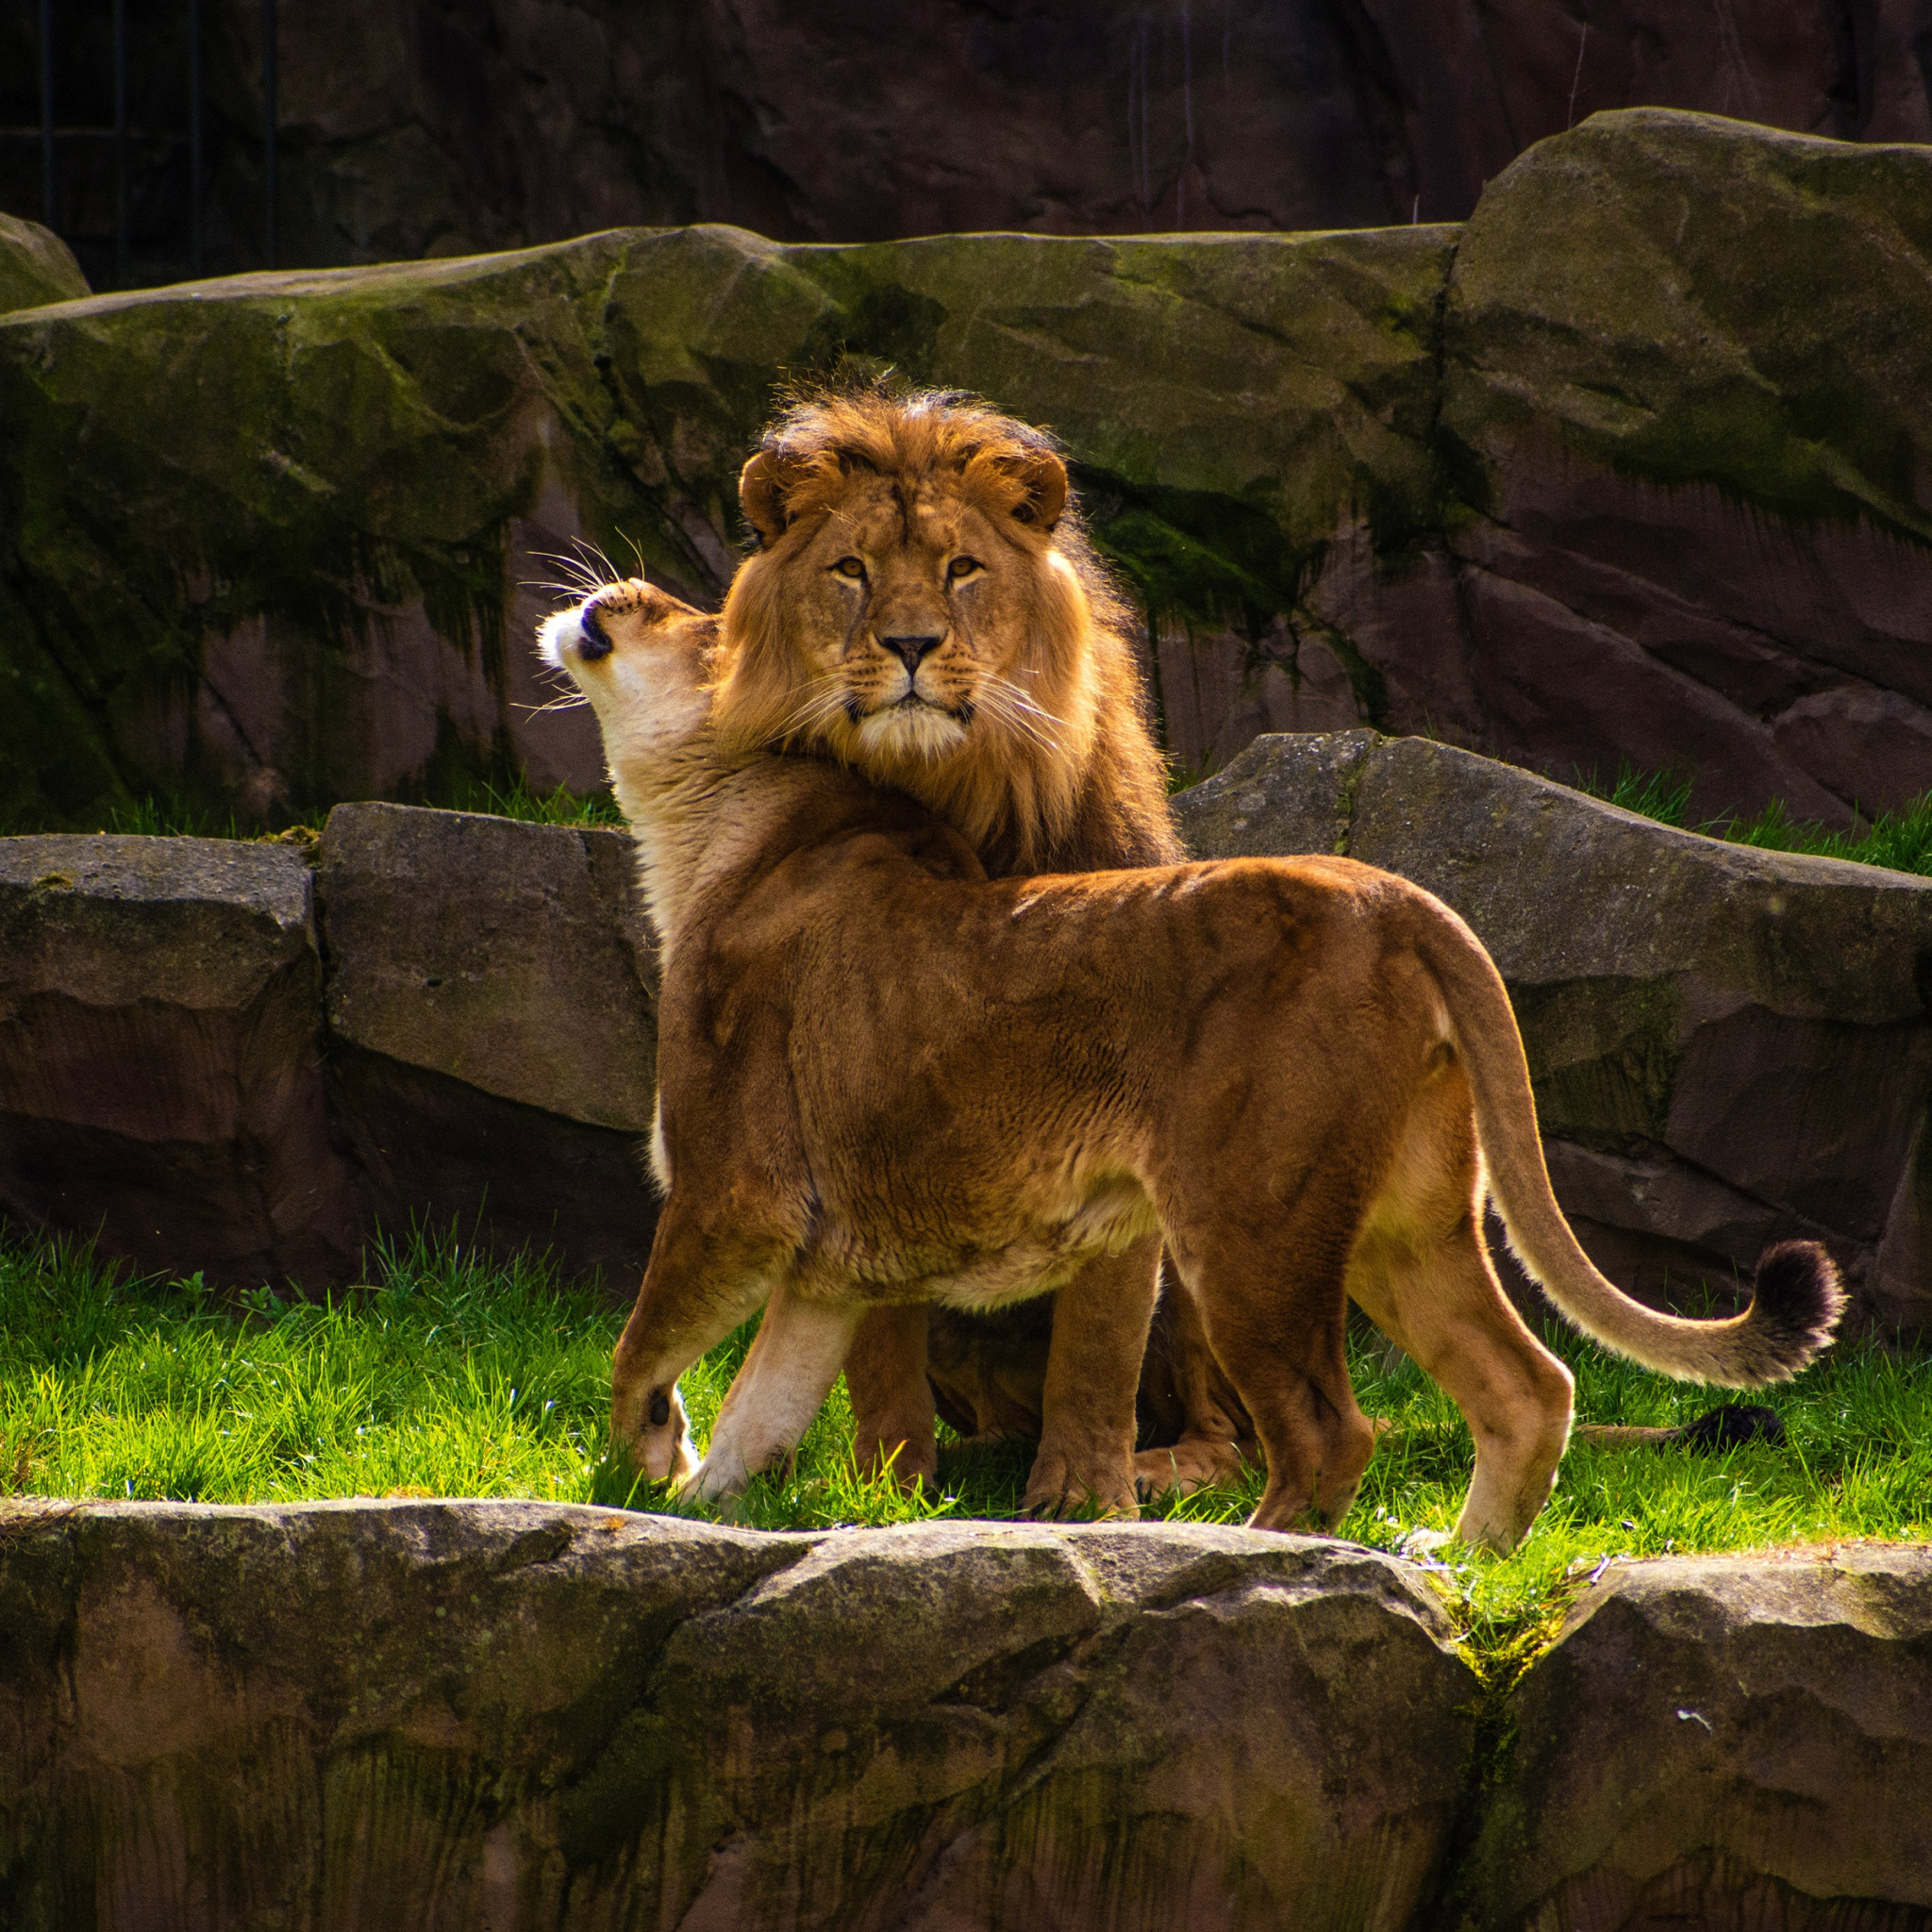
[892, 1398]
[1275, 1316]
[1442, 1303]
[772, 1401]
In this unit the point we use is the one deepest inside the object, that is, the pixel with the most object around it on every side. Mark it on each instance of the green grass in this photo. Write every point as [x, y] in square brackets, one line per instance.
[559, 806]
[448, 1376]
[1901, 839]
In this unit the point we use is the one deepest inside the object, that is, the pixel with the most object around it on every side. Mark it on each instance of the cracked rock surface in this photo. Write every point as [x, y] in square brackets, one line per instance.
[459, 1714]
[1725, 1741]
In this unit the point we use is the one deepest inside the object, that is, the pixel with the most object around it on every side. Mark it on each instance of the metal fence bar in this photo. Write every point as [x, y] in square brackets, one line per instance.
[121, 142]
[47, 111]
[268, 119]
[194, 221]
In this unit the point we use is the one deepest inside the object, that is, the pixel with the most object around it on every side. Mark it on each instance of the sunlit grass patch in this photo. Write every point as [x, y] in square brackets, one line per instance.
[448, 1375]
[1899, 840]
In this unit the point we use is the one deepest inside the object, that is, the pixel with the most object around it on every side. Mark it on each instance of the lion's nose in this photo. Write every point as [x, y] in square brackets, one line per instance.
[595, 641]
[911, 650]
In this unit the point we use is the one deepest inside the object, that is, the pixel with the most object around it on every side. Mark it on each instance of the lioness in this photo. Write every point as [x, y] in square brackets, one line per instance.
[887, 1079]
[924, 608]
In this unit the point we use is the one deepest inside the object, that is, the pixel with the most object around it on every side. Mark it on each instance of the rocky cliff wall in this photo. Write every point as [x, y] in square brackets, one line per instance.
[1634, 465]
[411, 127]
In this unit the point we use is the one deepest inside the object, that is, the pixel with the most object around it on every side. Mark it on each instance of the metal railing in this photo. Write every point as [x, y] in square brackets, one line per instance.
[52, 133]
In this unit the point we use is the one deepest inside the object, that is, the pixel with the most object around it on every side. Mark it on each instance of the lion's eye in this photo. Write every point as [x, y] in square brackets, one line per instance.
[963, 567]
[849, 567]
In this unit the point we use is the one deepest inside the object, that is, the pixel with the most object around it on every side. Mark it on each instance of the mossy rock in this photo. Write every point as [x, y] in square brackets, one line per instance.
[234, 507]
[532, 1716]
[1690, 299]
[266, 543]
[1722, 1740]
[36, 266]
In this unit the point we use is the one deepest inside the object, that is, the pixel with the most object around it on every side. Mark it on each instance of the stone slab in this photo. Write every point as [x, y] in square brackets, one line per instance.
[511, 957]
[453, 1714]
[1725, 1741]
[1728, 1045]
[161, 1056]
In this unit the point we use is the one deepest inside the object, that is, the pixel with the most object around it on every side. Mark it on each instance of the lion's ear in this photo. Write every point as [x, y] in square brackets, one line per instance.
[1044, 478]
[763, 486]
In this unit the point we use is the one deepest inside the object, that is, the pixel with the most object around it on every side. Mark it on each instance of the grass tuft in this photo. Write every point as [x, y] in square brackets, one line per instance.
[1900, 839]
[448, 1374]
[559, 807]
[153, 819]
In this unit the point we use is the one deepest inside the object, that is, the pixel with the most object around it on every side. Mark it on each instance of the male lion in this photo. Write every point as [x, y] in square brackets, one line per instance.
[887, 1079]
[926, 608]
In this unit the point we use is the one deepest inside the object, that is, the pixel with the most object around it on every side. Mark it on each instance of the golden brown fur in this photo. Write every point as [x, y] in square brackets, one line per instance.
[1023, 727]
[1020, 723]
[887, 1080]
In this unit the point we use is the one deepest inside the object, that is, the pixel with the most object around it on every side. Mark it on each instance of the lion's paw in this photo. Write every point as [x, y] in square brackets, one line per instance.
[1059, 1492]
[1194, 1463]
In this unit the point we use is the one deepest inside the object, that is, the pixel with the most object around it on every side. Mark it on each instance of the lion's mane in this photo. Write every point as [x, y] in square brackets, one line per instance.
[1081, 787]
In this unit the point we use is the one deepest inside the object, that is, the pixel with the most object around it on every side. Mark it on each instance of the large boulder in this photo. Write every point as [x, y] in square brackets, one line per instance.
[36, 266]
[491, 1001]
[1699, 430]
[1728, 1045]
[1657, 492]
[291, 567]
[1722, 1741]
[304, 552]
[528, 1716]
[161, 1056]
[214, 1059]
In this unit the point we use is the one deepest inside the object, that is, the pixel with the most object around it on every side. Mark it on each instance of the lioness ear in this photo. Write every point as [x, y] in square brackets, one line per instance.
[1045, 479]
[762, 485]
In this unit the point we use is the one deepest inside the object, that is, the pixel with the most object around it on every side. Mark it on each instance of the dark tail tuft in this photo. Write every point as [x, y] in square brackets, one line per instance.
[1795, 1305]
[1730, 1427]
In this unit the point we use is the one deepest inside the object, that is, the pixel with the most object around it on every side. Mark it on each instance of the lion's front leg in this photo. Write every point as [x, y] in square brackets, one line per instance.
[1086, 1458]
[891, 1397]
[1216, 1441]
[770, 1402]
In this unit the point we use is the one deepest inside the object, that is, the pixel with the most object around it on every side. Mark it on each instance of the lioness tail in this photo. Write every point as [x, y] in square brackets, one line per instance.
[1796, 1297]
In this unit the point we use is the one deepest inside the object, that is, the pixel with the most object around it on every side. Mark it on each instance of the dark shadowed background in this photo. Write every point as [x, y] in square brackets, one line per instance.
[420, 127]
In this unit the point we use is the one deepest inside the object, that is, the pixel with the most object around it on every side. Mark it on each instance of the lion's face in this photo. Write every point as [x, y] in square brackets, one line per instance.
[908, 612]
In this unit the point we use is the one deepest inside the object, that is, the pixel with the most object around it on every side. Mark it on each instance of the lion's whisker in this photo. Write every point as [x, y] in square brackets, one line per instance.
[1015, 708]
[822, 699]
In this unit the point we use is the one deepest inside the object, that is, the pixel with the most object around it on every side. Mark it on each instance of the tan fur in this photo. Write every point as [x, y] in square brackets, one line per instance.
[888, 1081]
[1023, 727]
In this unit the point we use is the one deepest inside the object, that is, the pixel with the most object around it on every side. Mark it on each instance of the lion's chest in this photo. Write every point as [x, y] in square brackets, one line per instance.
[974, 1256]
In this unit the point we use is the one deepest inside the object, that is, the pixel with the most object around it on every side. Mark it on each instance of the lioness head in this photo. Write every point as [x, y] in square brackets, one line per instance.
[924, 607]
[643, 658]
